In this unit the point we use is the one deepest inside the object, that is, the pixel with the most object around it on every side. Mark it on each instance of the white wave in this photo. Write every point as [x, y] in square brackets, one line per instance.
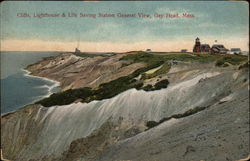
[43, 86]
[50, 88]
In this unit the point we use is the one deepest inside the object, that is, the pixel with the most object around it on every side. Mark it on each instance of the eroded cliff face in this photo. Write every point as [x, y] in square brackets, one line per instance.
[20, 130]
[75, 72]
[221, 132]
[115, 128]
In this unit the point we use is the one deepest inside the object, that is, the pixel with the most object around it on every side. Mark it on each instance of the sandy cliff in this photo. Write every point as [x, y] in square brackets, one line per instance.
[75, 72]
[116, 129]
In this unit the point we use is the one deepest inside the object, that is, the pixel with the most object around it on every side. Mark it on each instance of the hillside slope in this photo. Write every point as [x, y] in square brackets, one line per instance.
[75, 72]
[202, 114]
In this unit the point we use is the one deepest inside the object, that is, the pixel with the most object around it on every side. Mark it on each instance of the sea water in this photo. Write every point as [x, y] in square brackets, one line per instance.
[18, 88]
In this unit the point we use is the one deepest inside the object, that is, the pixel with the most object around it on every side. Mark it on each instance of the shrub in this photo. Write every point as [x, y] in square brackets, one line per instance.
[226, 60]
[66, 97]
[244, 65]
[151, 124]
[219, 63]
[148, 87]
[159, 85]
[138, 85]
[162, 84]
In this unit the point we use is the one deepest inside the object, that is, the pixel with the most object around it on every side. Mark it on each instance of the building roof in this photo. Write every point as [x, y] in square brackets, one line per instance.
[205, 45]
[235, 49]
[218, 46]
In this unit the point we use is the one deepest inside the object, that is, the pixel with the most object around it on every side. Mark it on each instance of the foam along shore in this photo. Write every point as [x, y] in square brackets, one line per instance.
[50, 88]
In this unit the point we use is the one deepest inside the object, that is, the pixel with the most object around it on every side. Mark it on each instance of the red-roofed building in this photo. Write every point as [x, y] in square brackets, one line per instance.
[198, 47]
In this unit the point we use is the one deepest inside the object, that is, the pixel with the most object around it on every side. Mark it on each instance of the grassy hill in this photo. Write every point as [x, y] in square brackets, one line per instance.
[152, 60]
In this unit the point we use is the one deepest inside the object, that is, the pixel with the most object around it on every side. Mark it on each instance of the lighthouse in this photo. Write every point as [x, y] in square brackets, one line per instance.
[77, 50]
[197, 46]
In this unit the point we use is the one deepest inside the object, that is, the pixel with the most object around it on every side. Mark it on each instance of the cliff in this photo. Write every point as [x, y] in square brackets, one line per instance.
[202, 114]
[75, 72]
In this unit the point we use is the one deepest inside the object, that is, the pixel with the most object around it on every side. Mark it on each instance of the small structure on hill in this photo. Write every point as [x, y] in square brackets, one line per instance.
[198, 47]
[205, 48]
[77, 50]
[235, 51]
[219, 49]
[148, 50]
[184, 50]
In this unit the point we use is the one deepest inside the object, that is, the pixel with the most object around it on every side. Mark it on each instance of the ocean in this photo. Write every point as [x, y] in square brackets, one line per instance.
[18, 88]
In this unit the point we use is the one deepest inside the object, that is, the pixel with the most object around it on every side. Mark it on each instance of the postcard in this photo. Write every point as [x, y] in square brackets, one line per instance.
[124, 80]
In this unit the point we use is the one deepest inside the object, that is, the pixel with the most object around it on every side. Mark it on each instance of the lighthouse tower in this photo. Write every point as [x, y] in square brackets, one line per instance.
[77, 50]
[197, 46]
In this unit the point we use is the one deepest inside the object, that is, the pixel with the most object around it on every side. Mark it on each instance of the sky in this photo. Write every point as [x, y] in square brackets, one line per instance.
[224, 21]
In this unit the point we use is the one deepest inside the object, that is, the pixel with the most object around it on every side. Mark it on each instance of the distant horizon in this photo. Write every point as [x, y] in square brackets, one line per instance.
[161, 46]
[113, 51]
[101, 48]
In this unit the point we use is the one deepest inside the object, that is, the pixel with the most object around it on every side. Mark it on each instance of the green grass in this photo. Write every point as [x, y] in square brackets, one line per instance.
[164, 69]
[205, 58]
[227, 60]
[244, 65]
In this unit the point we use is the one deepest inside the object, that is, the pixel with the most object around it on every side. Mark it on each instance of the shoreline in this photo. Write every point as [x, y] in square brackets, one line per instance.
[50, 88]
[55, 83]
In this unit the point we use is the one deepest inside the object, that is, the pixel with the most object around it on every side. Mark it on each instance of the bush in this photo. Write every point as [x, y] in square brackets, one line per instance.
[219, 63]
[162, 84]
[226, 60]
[159, 85]
[151, 124]
[66, 97]
[138, 85]
[148, 87]
[244, 65]
[226, 64]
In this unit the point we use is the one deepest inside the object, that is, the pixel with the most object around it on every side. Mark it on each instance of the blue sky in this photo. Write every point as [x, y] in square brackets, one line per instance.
[221, 21]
